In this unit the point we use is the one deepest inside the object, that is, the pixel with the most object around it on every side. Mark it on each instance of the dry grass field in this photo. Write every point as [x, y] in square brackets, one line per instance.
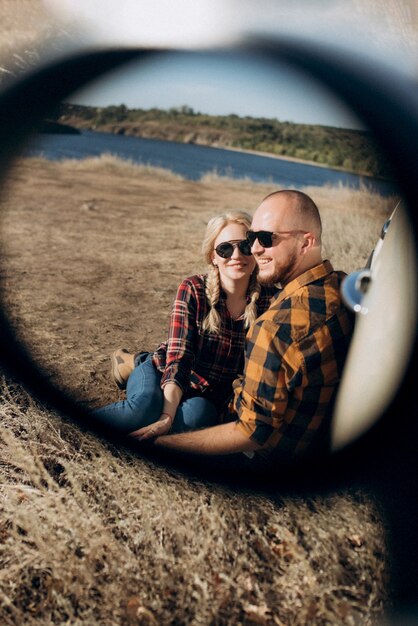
[94, 533]
[93, 252]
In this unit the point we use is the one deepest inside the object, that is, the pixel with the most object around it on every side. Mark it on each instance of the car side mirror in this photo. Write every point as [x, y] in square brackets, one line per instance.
[389, 107]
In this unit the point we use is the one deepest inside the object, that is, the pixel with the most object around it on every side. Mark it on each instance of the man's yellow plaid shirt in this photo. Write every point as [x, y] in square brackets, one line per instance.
[295, 354]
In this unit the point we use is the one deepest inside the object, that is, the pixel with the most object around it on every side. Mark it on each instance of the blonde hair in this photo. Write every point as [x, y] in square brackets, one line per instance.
[212, 321]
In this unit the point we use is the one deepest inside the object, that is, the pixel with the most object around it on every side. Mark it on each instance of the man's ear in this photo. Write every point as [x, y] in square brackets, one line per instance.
[309, 242]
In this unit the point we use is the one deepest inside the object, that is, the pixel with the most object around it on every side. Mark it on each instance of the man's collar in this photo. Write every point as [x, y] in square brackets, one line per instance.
[314, 273]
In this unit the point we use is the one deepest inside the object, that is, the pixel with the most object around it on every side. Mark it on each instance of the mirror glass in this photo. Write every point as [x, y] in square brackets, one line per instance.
[105, 212]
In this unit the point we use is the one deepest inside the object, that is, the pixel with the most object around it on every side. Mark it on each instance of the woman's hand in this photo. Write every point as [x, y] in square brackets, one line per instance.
[158, 428]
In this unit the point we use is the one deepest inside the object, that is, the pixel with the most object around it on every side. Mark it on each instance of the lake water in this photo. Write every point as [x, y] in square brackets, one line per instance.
[192, 161]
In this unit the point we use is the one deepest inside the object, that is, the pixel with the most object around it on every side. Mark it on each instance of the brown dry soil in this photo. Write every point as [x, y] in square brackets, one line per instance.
[92, 259]
[92, 253]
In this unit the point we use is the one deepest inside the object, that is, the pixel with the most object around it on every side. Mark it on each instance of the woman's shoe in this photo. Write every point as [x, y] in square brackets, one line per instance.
[122, 366]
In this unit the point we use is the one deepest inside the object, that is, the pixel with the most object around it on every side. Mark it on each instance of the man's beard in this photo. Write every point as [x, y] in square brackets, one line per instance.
[280, 274]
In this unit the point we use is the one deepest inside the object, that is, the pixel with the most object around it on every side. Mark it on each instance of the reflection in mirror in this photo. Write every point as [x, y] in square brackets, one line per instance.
[93, 248]
[99, 227]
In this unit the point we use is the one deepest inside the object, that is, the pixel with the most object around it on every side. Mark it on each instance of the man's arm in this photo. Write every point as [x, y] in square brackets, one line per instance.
[222, 439]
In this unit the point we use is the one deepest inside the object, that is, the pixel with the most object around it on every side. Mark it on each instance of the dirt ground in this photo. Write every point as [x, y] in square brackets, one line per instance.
[93, 253]
[93, 260]
[90, 259]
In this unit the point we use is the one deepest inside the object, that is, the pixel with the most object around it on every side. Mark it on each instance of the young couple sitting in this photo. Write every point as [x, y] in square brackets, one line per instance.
[255, 347]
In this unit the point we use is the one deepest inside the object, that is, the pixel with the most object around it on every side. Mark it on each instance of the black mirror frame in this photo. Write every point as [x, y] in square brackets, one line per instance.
[388, 105]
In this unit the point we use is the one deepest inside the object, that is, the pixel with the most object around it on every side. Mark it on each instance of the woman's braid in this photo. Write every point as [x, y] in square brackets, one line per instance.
[250, 313]
[212, 321]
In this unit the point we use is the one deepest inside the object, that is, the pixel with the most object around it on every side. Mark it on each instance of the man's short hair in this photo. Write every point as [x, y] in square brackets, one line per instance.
[302, 204]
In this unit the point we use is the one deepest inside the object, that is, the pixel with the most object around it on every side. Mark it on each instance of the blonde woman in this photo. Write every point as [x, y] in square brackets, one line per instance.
[187, 381]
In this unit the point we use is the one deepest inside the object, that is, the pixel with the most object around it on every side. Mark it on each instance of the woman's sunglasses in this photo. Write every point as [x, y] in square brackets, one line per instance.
[226, 248]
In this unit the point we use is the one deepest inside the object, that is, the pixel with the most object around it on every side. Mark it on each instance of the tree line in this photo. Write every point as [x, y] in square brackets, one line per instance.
[349, 149]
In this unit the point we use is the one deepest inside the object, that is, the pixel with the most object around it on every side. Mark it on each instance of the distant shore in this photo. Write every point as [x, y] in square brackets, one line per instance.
[76, 128]
[281, 157]
[341, 149]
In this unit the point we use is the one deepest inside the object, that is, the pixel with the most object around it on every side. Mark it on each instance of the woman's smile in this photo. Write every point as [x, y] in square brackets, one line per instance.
[238, 266]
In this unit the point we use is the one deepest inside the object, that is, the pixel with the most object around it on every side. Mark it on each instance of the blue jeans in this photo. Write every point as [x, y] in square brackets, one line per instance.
[144, 404]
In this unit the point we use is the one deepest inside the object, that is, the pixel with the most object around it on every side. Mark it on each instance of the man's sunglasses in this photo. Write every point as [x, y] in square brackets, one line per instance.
[226, 248]
[265, 237]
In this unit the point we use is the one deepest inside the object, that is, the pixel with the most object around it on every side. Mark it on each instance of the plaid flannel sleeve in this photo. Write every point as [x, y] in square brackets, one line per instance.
[181, 337]
[294, 361]
[283, 398]
[272, 367]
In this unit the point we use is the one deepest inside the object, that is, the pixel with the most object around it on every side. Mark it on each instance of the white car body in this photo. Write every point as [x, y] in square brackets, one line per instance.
[384, 298]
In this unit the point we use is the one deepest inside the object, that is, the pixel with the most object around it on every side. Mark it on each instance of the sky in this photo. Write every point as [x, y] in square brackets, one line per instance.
[220, 85]
[382, 30]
